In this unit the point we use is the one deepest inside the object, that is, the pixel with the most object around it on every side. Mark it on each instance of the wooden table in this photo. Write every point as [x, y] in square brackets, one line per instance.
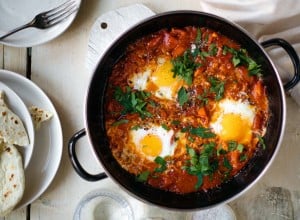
[58, 67]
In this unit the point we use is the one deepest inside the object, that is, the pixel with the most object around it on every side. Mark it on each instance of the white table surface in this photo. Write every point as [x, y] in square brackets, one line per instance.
[58, 67]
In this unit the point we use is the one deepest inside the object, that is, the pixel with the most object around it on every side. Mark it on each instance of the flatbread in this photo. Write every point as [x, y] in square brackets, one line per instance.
[39, 116]
[12, 178]
[12, 129]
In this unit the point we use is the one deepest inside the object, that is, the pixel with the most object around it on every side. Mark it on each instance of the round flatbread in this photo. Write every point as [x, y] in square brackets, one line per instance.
[12, 178]
[12, 129]
[39, 116]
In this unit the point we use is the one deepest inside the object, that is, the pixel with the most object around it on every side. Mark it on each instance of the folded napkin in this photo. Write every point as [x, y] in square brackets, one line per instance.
[264, 19]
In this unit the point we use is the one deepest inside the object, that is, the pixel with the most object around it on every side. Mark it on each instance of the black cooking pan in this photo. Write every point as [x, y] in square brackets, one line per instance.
[95, 121]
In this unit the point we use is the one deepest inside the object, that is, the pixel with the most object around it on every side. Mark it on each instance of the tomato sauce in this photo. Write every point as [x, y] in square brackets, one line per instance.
[208, 71]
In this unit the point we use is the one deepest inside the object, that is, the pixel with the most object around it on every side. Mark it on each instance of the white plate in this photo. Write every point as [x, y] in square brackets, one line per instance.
[15, 13]
[48, 143]
[17, 106]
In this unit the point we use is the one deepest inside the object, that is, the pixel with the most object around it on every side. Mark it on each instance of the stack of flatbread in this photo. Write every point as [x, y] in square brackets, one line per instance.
[13, 132]
[12, 178]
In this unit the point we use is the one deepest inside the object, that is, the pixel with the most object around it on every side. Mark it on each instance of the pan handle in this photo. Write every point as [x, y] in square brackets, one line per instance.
[75, 162]
[293, 56]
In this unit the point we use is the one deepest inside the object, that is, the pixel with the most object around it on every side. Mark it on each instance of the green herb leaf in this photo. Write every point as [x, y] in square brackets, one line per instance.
[183, 96]
[221, 151]
[199, 36]
[201, 164]
[163, 164]
[203, 97]
[240, 57]
[199, 181]
[184, 66]
[232, 145]
[132, 101]
[176, 122]
[227, 164]
[135, 127]
[261, 141]
[120, 122]
[243, 157]
[201, 132]
[217, 87]
[143, 176]
[212, 50]
[164, 126]
[240, 148]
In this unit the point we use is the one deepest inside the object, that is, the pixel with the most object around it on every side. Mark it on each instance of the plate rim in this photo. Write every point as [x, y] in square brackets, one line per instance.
[42, 39]
[53, 168]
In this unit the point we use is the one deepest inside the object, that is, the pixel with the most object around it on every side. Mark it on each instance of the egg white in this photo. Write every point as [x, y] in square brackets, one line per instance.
[166, 138]
[227, 106]
[155, 75]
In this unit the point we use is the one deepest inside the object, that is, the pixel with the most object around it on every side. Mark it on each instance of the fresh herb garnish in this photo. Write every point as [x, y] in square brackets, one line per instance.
[240, 148]
[164, 126]
[135, 127]
[183, 96]
[201, 164]
[261, 141]
[184, 66]
[120, 122]
[132, 101]
[163, 164]
[243, 157]
[240, 57]
[203, 97]
[227, 164]
[233, 145]
[176, 122]
[143, 176]
[198, 37]
[212, 49]
[217, 87]
[199, 131]
[221, 151]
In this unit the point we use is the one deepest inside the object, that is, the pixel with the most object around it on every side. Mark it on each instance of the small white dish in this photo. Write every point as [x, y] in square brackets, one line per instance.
[48, 143]
[103, 204]
[15, 13]
[221, 212]
[17, 106]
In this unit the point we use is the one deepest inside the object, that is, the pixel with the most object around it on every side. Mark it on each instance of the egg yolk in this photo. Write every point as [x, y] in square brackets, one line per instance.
[162, 76]
[151, 145]
[234, 127]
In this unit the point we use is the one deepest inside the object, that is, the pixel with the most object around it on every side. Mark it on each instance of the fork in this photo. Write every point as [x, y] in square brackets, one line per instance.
[49, 18]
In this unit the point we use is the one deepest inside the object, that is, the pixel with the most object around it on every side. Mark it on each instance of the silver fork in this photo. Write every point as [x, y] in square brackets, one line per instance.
[48, 18]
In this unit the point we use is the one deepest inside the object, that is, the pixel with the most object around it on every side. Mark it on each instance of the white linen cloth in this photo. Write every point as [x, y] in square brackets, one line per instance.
[263, 19]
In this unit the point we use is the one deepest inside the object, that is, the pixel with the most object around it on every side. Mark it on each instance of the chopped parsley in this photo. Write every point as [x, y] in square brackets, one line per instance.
[227, 164]
[163, 164]
[212, 49]
[120, 122]
[184, 66]
[217, 87]
[133, 101]
[199, 131]
[240, 57]
[176, 122]
[164, 126]
[233, 145]
[143, 176]
[201, 164]
[183, 96]
[261, 141]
